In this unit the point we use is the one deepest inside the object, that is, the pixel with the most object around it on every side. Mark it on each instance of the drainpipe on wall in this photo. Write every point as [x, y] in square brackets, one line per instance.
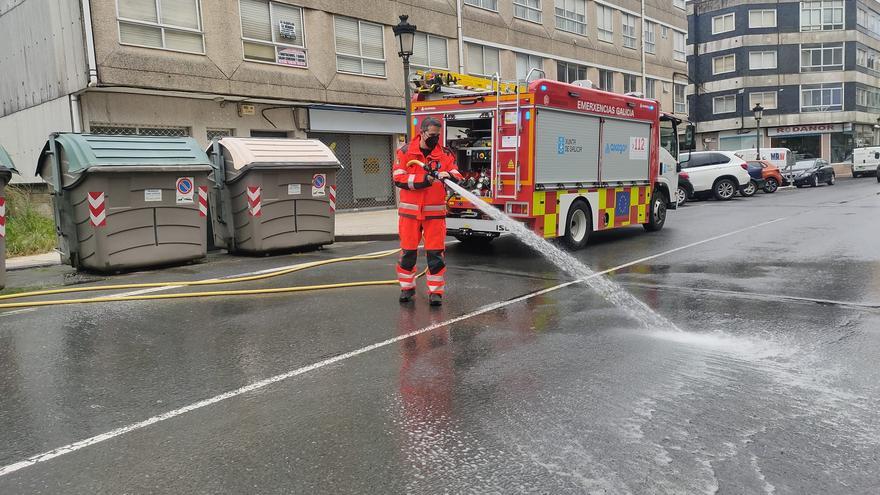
[644, 77]
[460, 35]
[90, 43]
[75, 114]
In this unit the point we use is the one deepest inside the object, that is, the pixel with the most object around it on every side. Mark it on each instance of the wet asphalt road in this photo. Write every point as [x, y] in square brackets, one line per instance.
[769, 382]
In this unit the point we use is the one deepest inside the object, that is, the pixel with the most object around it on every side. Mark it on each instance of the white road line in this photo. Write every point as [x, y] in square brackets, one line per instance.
[73, 447]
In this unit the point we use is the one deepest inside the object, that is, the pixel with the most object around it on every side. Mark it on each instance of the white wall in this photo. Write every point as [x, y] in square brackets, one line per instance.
[24, 134]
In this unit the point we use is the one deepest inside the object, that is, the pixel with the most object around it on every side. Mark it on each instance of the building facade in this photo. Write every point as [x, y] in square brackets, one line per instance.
[812, 65]
[326, 69]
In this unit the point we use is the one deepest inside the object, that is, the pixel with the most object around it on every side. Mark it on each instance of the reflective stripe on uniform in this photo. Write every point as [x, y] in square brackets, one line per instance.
[399, 172]
[434, 208]
[435, 278]
[406, 276]
[407, 285]
[408, 206]
[411, 181]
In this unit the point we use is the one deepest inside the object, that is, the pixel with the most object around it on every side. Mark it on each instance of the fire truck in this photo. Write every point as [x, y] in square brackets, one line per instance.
[566, 159]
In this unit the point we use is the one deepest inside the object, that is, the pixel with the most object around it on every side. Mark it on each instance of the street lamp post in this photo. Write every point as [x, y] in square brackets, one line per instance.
[405, 33]
[758, 111]
[877, 132]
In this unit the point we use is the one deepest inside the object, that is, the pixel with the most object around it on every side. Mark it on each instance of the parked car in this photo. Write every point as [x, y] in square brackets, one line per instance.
[769, 173]
[812, 172]
[782, 158]
[685, 188]
[865, 161]
[716, 173]
[757, 182]
[877, 172]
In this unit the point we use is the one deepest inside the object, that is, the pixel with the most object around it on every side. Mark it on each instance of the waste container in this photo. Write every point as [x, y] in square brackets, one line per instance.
[272, 194]
[124, 202]
[6, 170]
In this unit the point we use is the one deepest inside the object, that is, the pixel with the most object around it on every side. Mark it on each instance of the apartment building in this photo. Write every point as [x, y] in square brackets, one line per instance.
[326, 69]
[812, 65]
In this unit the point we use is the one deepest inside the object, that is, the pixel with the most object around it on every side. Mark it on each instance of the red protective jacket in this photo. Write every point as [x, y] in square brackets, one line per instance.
[420, 199]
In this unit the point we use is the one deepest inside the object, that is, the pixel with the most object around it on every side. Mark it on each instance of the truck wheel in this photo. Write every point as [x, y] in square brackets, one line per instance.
[578, 226]
[771, 185]
[724, 189]
[856, 175]
[657, 213]
[749, 190]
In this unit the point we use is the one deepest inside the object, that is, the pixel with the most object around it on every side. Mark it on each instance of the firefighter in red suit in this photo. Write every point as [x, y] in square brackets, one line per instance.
[422, 208]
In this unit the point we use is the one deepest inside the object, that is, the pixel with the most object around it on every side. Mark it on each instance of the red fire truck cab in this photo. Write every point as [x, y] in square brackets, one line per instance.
[566, 159]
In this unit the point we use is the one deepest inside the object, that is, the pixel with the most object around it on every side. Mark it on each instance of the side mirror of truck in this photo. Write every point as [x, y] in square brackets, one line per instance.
[690, 137]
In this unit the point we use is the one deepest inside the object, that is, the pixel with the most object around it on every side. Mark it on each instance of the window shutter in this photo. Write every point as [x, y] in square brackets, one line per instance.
[180, 40]
[347, 38]
[255, 23]
[288, 14]
[438, 54]
[138, 9]
[183, 13]
[140, 35]
[372, 44]
[420, 50]
[475, 59]
[491, 62]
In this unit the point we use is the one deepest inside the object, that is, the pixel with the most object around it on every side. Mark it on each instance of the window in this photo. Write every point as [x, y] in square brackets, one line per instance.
[606, 80]
[678, 50]
[868, 97]
[571, 16]
[138, 130]
[762, 18]
[869, 20]
[524, 63]
[767, 99]
[822, 15]
[168, 24]
[529, 10]
[482, 60]
[484, 4]
[704, 159]
[360, 47]
[605, 20]
[650, 37]
[629, 83]
[679, 4]
[868, 58]
[664, 32]
[567, 72]
[629, 30]
[218, 133]
[822, 57]
[821, 97]
[679, 100]
[272, 32]
[723, 23]
[762, 60]
[429, 52]
[650, 88]
[724, 104]
[724, 64]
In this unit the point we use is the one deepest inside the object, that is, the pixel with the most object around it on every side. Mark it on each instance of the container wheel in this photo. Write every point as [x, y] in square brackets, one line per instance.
[578, 226]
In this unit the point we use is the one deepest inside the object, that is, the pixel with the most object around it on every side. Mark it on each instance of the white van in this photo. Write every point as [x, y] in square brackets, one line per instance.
[783, 158]
[865, 161]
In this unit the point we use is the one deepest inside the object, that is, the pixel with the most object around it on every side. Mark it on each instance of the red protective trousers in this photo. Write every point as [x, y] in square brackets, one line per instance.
[411, 231]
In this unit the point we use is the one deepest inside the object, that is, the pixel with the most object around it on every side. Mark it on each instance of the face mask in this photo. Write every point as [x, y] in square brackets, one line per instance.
[431, 141]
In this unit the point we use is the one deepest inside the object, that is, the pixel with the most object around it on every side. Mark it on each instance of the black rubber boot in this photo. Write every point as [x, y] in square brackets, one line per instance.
[407, 295]
[436, 299]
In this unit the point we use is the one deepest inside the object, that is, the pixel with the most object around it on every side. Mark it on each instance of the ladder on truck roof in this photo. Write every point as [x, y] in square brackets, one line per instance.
[447, 84]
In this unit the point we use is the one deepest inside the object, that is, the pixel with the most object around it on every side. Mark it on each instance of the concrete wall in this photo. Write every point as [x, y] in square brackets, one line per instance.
[24, 133]
[42, 57]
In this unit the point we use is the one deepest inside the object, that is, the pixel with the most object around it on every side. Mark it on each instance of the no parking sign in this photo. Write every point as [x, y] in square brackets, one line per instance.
[185, 190]
[319, 185]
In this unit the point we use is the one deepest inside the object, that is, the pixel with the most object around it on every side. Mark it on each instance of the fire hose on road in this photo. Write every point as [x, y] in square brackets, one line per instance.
[191, 283]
